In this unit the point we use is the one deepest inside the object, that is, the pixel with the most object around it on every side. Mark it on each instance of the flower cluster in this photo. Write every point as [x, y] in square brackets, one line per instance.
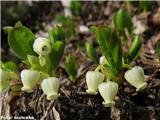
[98, 81]
[30, 78]
[41, 55]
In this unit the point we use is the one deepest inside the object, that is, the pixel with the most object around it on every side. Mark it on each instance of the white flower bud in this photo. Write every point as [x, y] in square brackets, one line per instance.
[29, 79]
[108, 91]
[42, 46]
[93, 79]
[103, 60]
[4, 80]
[50, 87]
[135, 77]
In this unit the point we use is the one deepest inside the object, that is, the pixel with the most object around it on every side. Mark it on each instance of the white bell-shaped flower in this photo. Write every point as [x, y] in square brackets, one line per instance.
[29, 79]
[93, 79]
[50, 87]
[135, 77]
[4, 80]
[103, 60]
[42, 46]
[108, 91]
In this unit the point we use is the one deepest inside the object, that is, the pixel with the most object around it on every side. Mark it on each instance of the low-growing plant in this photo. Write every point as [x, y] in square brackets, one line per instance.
[42, 55]
[8, 74]
[111, 71]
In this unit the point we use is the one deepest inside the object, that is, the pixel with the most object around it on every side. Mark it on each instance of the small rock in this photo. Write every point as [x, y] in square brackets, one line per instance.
[83, 29]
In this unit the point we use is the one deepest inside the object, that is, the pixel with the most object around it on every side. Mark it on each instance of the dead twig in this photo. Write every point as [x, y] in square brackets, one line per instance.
[48, 110]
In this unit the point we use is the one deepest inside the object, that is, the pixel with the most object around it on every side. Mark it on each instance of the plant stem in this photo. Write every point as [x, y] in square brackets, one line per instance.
[103, 70]
[127, 66]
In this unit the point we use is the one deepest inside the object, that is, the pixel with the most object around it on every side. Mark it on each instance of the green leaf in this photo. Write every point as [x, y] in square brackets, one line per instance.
[51, 37]
[91, 52]
[10, 67]
[18, 24]
[134, 49]
[32, 59]
[71, 67]
[42, 60]
[57, 34]
[122, 20]
[145, 5]
[76, 7]
[20, 40]
[34, 62]
[56, 54]
[116, 47]
[103, 35]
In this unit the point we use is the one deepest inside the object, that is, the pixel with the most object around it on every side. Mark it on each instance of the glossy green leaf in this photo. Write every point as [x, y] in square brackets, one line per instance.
[91, 52]
[57, 34]
[75, 7]
[18, 24]
[56, 54]
[116, 47]
[51, 36]
[134, 49]
[103, 35]
[10, 67]
[34, 63]
[145, 5]
[33, 59]
[20, 40]
[71, 67]
[42, 60]
[122, 20]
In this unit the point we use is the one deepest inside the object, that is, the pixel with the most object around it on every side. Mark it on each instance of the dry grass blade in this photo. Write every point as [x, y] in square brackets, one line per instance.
[48, 110]
[56, 114]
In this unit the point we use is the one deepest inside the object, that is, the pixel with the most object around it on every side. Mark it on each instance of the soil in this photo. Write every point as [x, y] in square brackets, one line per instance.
[74, 103]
